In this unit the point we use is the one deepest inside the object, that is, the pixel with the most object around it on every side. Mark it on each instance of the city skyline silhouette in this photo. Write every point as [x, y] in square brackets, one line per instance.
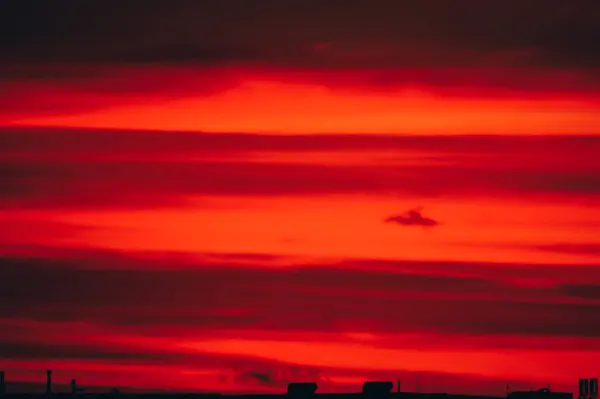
[587, 389]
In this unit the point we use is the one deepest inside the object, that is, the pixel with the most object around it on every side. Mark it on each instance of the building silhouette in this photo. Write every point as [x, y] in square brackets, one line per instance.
[588, 389]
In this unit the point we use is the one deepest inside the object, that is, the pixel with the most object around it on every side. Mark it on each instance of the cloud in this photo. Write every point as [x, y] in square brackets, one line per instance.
[223, 373]
[33, 350]
[549, 33]
[119, 318]
[577, 249]
[54, 168]
[46, 89]
[311, 297]
[281, 376]
[586, 291]
[34, 90]
[574, 250]
[263, 378]
[105, 144]
[412, 217]
[81, 56]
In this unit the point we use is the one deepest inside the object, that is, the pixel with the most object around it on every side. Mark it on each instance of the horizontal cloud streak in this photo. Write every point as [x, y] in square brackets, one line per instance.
[47, 169]
[118, 318]
[108, 143]
[471, 100]
[199, 371]
[313, 297]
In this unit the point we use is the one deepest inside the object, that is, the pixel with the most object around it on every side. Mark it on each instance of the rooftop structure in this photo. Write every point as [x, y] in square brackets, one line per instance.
[588, 389]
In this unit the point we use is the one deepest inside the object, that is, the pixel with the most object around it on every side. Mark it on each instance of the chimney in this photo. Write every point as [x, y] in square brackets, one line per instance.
[48, 382]
[73, 386]
[398, 386]
[586, 388]
[593, 388]
[2, 383]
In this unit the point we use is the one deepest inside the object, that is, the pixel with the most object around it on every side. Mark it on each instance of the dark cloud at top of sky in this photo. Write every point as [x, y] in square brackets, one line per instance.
[317, 33]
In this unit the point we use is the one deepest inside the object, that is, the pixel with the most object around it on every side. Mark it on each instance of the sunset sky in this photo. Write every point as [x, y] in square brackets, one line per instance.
[231, 195]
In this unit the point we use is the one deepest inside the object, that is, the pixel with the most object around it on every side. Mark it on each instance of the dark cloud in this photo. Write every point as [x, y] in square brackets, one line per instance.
[145, 184]
[71, 56]
[412, 217]
[33, 344]
[252, 374]
[586, 291]
[312, 298]
[280, 377]
[40, 349]
[108, 169]
[384, 32]
[48, 89]
[104, 143]
[36, 350]
[55, 88]
[263, 378]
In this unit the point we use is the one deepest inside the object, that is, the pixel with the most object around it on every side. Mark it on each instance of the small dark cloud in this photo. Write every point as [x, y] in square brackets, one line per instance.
[264, 378]
[584, 291]
[412, 217]
[280, 376]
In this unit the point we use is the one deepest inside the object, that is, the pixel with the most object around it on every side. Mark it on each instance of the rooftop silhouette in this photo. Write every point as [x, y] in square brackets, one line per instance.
[588, 389]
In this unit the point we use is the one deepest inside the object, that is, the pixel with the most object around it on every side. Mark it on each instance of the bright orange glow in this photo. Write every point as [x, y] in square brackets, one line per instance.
[320, 227]
[512, 364]
[258, 106]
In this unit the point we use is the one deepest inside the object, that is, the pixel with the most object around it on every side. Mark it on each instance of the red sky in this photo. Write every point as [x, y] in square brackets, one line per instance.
[191, 206]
